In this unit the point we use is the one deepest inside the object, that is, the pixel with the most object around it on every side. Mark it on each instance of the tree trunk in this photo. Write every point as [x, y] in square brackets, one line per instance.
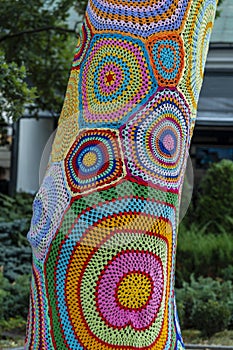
[104, 227]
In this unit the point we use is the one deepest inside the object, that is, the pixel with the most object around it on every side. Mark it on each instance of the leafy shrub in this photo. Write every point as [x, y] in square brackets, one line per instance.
[206, 305]
[215, 202]
[211, 317]
[14, 297]
[15, 252]
[15, 260]
[18, 207]
[203, 254]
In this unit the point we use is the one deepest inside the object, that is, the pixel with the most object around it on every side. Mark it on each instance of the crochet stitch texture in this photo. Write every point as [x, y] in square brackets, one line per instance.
[104, 225]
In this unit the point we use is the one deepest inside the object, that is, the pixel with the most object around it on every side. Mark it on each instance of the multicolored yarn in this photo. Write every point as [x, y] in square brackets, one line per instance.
[196, 36]
[167, 57]
[156, 140]
[123, 240]
[71, 103]
[104, 226]
[48, 208]
[116, 77]
[136, 17]
[94, 161]
[65, 134]
[38, 325]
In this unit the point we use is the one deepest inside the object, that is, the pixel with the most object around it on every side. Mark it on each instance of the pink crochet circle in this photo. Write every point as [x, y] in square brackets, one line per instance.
[109, 308]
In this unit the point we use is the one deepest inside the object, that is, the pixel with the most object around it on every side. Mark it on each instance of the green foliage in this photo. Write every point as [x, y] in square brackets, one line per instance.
[39, 42]
[215, 202]
[14, 297]
[211, 317]
[206, 304]
[203, 254]
[15, 263]
[15, 93]
[17, 207]
[15, 252]
[80, 7]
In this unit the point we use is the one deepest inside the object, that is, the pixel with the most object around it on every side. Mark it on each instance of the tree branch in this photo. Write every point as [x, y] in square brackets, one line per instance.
[37, 30]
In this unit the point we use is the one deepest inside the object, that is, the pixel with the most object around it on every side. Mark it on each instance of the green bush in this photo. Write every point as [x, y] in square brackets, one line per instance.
[206, 304]
[18, 207]
[14, 297]
[203, 254]
[215, 202]
[15, 252]
[15, 261]
[211, 317]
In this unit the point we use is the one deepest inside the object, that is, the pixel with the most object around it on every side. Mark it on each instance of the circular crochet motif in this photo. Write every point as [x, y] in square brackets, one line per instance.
[95, 267]
[71, 103]
[196, 37]
[125, 290]
[83, 43]
[155, 140]
[116, 79]
[167, 57]
[140, 18]
[48, 208]
[93, 161]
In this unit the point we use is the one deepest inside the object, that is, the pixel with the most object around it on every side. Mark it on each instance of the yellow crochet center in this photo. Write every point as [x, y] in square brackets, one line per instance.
[89, 159]
[130, 292]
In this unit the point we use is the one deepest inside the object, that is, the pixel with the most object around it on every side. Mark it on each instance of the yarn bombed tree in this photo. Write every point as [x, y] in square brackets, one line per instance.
[104, 227]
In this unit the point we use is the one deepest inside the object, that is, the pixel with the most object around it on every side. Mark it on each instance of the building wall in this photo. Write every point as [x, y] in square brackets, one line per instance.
[33, 136]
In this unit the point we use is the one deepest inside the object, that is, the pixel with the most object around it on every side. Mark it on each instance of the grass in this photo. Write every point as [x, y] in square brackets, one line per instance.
[12, 333]
[192, 336]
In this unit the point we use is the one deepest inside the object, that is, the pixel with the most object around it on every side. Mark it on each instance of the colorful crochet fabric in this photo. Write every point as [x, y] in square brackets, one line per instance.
[104, 226]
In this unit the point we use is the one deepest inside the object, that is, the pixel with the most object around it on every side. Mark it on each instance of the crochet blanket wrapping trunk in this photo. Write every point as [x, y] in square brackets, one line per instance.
[104, 225]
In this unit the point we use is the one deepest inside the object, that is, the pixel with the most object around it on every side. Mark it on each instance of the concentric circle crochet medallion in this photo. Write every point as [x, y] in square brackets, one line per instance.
[48, 207]
[155, 140]
[167, 57]
[83, 43]
[93, 161]
[116, 79]
[99, 265]
[71, 103]
[140, 18]
[196, 37]
[124, 290]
